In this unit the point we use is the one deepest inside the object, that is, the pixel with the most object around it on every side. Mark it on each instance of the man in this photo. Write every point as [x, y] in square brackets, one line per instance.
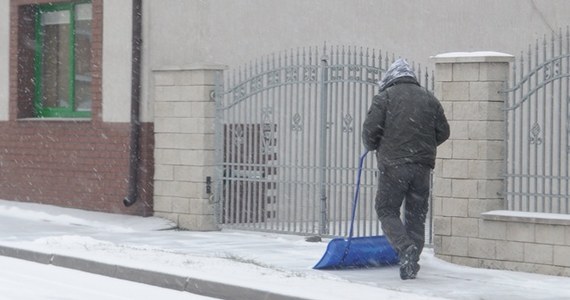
[405, 124]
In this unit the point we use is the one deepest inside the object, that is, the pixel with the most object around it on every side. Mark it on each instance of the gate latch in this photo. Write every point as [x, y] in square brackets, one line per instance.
[208, 184]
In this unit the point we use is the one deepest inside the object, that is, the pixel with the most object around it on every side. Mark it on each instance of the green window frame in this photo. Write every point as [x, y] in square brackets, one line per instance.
[65, 84]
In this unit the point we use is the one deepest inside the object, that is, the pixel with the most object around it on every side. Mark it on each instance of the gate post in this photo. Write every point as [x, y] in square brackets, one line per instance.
[469, 167]
[185, 145]
[324, 222]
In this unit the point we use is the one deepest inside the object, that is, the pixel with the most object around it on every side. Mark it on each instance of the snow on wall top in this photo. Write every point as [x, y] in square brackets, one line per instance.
[477, 56]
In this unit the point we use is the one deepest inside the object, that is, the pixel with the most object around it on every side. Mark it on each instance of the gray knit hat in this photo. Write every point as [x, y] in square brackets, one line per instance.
[400, 68]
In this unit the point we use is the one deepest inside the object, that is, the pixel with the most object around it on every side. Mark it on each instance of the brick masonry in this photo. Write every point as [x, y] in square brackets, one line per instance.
[73, 164]
[470, 228]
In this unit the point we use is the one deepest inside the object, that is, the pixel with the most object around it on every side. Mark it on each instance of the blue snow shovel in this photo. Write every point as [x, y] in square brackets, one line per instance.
[358, 252]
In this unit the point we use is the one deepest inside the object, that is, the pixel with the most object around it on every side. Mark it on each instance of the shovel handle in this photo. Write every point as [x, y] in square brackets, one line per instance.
[356, 193]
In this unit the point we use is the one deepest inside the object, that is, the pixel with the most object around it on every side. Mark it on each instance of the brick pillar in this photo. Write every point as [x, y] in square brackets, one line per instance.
[184, 146]
[469, 166]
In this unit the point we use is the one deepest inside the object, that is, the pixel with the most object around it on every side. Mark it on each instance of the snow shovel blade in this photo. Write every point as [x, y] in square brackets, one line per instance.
[361, 252]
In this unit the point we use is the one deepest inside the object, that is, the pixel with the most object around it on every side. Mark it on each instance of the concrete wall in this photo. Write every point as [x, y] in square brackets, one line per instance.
[470, 226]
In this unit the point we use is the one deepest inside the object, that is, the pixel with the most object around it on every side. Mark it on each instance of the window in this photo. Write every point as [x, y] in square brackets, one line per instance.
[62, 71]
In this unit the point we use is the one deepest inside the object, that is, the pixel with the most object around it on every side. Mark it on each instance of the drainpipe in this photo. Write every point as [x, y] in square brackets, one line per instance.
[134, 154]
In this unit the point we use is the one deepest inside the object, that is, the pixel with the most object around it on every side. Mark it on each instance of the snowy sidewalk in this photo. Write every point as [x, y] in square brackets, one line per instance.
[236, 264]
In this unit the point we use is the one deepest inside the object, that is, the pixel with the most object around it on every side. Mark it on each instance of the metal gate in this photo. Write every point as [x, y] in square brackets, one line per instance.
[537, 115]
[288, 141]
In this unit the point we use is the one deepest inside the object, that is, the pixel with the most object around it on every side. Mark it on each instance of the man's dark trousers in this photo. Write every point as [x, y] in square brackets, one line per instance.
[396, 183]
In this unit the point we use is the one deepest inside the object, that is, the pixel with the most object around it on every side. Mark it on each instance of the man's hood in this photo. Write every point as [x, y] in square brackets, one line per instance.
[400, 68]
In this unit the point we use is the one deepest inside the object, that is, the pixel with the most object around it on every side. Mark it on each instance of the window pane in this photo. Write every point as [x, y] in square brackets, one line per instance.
[55, 59]
[83, 12]
[55, 17]
[83, 57]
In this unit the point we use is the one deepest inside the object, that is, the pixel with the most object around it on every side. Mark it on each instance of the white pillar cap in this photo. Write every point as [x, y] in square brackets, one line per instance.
[473, 57]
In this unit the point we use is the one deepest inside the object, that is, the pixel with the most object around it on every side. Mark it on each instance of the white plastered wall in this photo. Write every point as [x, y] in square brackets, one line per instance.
[234, 32]
[117, 36]
[4, 58]
[192, 32]
[147, 103]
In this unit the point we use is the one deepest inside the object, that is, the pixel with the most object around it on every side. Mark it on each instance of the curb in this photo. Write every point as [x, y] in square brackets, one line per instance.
[164, 280]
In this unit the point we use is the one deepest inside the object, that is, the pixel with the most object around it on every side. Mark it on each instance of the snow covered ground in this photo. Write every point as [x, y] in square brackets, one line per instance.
[23, 280]
[280, 264]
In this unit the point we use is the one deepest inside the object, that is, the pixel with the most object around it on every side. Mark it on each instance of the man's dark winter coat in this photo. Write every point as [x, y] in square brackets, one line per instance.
[405, 123]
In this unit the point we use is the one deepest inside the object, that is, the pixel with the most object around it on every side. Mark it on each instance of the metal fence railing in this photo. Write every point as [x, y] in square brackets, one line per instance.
[537, 117]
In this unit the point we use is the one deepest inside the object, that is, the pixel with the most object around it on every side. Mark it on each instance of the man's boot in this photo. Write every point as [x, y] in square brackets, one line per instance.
[409, 266]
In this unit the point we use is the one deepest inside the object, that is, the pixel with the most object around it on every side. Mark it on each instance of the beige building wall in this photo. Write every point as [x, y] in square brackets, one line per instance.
[4, 58]
[189, 32]
[234, 32]
[117, 36]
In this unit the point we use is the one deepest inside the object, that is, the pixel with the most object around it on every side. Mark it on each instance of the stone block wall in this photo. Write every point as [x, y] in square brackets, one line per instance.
[184, 145]
[471, 228]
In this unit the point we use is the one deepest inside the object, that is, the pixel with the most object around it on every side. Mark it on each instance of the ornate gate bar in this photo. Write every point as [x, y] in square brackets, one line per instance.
[288, 135]
[537, 117]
